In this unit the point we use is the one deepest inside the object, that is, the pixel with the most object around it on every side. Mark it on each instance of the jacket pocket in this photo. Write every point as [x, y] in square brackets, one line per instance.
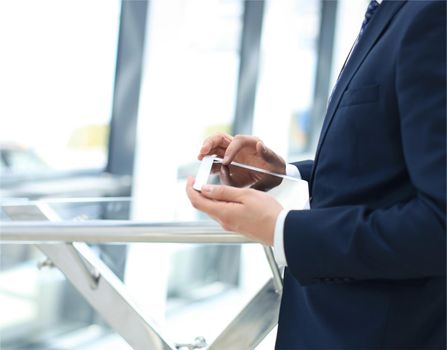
[362, 95]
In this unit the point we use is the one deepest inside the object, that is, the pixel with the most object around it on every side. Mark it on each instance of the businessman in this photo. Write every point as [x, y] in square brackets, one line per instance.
[366, 265]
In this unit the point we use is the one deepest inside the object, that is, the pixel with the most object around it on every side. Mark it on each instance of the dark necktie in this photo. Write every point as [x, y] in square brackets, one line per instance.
[372, 7]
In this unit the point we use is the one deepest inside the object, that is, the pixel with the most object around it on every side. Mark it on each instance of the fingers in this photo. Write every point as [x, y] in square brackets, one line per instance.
[197, 200]
[224, 193]
[216, 144]
[189, 183]
[262, 150]
[237, 144]
[276, 163]
[246, 149]
[219, 151]
[206, 203]
[266, 153]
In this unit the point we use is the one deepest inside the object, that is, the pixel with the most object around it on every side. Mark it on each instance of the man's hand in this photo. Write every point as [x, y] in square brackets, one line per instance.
[248, 150]
[247, 211]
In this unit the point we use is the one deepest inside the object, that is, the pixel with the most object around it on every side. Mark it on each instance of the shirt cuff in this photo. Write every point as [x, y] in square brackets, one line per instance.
[292, 171]
[278, 239]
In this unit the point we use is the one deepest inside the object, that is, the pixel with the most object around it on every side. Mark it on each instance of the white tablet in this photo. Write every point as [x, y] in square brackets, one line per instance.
[291, 192]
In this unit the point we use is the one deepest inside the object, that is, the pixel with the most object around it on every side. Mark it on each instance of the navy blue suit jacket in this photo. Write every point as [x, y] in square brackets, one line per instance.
[367, 264]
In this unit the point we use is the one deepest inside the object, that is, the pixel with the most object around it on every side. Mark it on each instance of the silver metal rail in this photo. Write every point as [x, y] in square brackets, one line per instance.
[112, 231]
[106, 294]
[253, 323]
[277, 279]
[101, 288]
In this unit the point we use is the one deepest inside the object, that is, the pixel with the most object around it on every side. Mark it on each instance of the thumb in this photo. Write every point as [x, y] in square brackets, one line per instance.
[223, 193]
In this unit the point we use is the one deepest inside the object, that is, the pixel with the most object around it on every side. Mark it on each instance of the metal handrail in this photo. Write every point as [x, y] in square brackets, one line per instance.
[117, 231]
[63, 243]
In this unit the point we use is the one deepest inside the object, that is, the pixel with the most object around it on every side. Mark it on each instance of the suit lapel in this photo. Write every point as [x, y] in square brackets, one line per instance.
[376, 27]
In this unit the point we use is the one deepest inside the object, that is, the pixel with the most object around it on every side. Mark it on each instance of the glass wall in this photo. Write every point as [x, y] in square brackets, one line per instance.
[188, 92]
[58, 70]
[57, 87]
[286, 82]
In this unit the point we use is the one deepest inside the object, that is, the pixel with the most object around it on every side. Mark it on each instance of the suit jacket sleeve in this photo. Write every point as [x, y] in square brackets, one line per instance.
[406, 240]
[305, 168]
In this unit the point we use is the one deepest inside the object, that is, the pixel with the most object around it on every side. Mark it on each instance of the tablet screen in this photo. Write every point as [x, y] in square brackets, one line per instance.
[289, 191]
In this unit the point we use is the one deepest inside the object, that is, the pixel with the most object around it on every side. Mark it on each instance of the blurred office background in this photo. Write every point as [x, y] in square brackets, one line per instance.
[110, 98]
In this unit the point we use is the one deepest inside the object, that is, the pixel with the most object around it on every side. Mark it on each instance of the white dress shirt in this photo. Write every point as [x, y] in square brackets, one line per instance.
[278, 239]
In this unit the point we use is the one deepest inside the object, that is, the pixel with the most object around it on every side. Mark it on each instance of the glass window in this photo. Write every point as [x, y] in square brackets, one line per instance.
[188, 92]
[57, 69]
[57, 75]
[287, 72]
